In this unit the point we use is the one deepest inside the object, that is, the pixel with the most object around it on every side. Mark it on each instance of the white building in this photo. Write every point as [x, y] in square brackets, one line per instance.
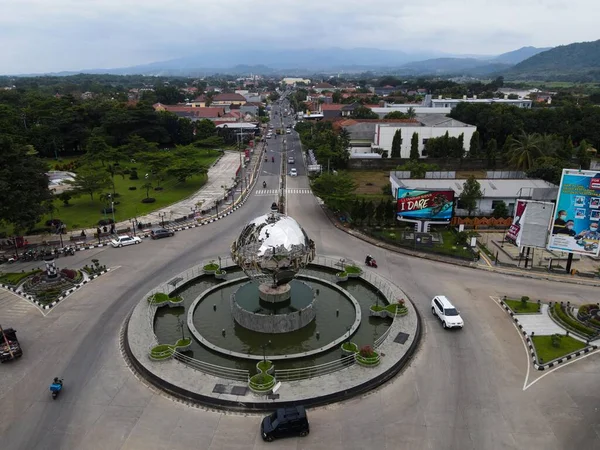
[497, 186]
[291, 81]
[426, 126]
[451, 103]
[418, 109]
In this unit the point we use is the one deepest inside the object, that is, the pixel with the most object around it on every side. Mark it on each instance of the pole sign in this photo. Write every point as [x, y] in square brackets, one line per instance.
[577, 213]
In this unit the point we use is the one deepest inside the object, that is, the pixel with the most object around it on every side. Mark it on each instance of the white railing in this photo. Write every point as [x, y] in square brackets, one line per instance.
[212, 369]
[314, 371]
[383, 337]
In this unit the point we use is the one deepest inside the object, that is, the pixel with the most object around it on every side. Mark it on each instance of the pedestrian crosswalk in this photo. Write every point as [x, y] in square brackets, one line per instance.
[291, 191]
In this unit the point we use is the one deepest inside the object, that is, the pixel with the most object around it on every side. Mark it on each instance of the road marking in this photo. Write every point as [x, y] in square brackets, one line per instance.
[548, 372]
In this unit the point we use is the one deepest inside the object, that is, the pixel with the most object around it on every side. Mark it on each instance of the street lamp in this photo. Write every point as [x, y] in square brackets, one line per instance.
[162, 218]
[264, 348]
[133, 223]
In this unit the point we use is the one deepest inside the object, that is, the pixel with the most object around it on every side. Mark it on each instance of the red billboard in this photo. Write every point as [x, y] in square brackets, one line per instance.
[425, 204]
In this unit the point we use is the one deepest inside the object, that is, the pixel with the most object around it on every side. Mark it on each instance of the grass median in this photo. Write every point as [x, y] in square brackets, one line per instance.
[546, 352]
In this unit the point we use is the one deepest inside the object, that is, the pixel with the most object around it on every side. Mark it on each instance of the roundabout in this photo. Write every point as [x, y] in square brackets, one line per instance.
[281, 317]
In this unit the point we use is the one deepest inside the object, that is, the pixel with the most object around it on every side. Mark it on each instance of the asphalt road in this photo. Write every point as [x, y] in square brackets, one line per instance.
[463, 389]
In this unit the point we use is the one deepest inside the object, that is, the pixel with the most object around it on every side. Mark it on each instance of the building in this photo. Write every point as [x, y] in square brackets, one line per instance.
[291, 81]
[218, 100]
[193, 113]
[320, 87]
[497, 186]
[451, 103]
[403, 108]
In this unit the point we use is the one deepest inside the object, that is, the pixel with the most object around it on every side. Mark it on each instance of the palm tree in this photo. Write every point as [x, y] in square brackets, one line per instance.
[410, 113]
[524, 151]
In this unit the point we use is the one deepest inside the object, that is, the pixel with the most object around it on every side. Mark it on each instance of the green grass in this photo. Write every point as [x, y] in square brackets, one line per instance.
[263, 366]
[546, 352]
[262, 382]
[211, 266]
[350, 347]
[158, 298]
[392, 309]
[352, 269]
[447, 247]
[15, 278]
[516, 306]
[161, 351]
[85, 212]
[183, 342]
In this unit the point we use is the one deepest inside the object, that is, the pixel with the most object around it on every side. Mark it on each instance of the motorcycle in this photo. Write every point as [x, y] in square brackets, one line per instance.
[370, 262]
[56, 387]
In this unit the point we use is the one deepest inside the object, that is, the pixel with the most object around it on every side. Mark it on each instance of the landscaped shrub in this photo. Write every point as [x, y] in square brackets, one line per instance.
[115, 195]
[104, 222]
[132, 188]
[133, 175]
[158, 188]
[148, 200]
[211, 266]
[69, 273]
[352, 269]
[572, 323]
[367, 351]
[524, 301]
[555, 338]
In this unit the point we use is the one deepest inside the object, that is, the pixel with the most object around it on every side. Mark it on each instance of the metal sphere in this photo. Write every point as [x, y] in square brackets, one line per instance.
[272, 248]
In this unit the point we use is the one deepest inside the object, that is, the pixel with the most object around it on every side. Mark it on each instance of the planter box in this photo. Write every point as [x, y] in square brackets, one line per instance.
[209, 272]
[383, 313]
[220, 276]
[368, 362]
[349, 352]
[341, 278]
[354, 275]
[183, 348]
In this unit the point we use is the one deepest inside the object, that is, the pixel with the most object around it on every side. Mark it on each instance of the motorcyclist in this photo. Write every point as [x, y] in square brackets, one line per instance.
[368, 260]
[272, 159]
[264, 184]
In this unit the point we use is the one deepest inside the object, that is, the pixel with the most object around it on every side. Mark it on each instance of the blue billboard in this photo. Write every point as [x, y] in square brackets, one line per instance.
[577, 213]
[425, 204]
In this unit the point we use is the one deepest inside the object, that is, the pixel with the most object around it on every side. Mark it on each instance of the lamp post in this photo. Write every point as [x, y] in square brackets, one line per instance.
[162, 218]
[133, 225]
[264, 348]
[180, 325]
[112, 208]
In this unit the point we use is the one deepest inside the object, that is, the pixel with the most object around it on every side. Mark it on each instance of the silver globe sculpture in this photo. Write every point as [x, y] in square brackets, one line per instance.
[272, 249]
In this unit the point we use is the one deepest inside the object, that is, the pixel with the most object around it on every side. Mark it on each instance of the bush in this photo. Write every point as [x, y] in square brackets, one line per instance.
[104, 222]
[555, 338]
[211, 266]
[116, 194]
[524, 301]
[367, 351]
[352, 269]
[132, 188]
[572, 323]
[108, 210]
[133, 175]
[158, 188]
[148, 200]
[69, 273]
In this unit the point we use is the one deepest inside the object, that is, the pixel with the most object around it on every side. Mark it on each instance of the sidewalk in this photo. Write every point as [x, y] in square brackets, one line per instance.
[221, 178]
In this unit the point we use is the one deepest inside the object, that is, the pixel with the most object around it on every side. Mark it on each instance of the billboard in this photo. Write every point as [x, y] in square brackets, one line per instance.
[530, 224]
[425, 204]
[577, 213]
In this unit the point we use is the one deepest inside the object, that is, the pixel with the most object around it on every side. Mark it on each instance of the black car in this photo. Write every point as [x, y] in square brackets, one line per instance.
[161, 233]
[285, 422]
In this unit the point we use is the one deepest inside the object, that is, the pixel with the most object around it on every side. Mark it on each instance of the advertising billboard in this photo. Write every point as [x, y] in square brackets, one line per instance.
[425, 204]
[530, 224]
[577, 213]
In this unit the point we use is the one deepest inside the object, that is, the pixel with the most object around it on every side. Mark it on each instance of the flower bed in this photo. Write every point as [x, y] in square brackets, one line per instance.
[161, 352]
[341, 276]
[159, 299]
[353, 271]
[211, 268]
[13, 279]
[389, 310]
[561, 315]
[261, 383]
[265, 367]
[220, 274]
[367, 357]
[349, 347]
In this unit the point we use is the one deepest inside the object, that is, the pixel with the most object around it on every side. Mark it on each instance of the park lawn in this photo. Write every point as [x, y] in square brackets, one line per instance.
[546, 352]
[516, 307]
[447, 247]
[83, 212]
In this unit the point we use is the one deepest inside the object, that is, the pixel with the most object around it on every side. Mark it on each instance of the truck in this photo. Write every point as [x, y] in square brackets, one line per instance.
[9, 345]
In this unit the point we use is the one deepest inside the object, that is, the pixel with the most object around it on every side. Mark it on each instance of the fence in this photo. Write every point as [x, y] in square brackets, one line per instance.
[212, 369]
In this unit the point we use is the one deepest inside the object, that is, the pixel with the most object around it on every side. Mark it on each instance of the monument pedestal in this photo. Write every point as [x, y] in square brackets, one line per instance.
[274, 294]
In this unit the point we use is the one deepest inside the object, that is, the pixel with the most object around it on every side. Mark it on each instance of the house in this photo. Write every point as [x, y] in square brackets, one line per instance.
[191, 112]
[320, 87]
[497, 186]
[426, 126]
[218, 100]
[250, 108]
[332, 111]
[383, 91]
[441, 102]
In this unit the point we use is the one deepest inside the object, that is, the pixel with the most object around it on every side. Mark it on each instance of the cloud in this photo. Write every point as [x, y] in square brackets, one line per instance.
[43, 35]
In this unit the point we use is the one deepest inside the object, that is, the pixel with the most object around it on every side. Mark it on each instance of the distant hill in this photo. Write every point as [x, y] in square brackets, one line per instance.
[516, 56]
[573, 62]
[452, 66]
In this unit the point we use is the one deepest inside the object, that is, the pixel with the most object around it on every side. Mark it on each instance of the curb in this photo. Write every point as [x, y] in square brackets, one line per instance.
[531, 347]
[64, 295]
[455, 262]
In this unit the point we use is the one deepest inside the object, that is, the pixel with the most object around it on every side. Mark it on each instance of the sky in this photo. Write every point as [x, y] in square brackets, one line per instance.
[38, 36]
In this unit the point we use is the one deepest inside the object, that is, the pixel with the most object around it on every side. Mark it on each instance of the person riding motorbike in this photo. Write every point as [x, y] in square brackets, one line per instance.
[264, 184]
[272, 159]
[56, 380]
[368, 260]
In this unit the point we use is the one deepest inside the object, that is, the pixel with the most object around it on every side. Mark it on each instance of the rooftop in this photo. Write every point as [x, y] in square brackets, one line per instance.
[491, 188]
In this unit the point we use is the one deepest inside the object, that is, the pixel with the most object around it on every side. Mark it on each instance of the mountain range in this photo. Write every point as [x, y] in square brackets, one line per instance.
[573, 62]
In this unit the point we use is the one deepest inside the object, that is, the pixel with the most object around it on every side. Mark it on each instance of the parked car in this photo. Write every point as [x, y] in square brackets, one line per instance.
[161, 233]
[446, 312]
[293, 172]
[121, 241]
[285, 422]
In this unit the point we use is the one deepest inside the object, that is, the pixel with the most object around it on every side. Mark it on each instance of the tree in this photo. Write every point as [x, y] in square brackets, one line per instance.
[23, 184]
[583, 157]
[500, 210]
[475, 145]
[336, 190]
[567, 150]
[395, 115]
[414, 147]
[113, 170]
[470, 194]
[397, 144]
[380, 213]
[205, 128]
[65, 197]
[147, 185]
[548, 169]
[523, 151]
[362, 112]
[97, 149]
[157, 163]
[90, 180]
[491, 153]
[183, 169]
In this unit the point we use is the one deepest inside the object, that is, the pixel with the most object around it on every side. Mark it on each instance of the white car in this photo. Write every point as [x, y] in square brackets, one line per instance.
[293, 173]
[446, 312]
[121, 241]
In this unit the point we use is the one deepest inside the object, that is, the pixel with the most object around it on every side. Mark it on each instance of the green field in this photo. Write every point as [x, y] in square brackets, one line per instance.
[546, 352]
[83, 212]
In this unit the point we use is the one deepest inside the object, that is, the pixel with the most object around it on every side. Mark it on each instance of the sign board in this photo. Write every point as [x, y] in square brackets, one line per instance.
[425, 204]
[530, 224]
[577, 213]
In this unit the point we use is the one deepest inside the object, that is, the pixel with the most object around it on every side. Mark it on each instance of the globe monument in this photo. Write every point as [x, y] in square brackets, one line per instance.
[271, 249]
